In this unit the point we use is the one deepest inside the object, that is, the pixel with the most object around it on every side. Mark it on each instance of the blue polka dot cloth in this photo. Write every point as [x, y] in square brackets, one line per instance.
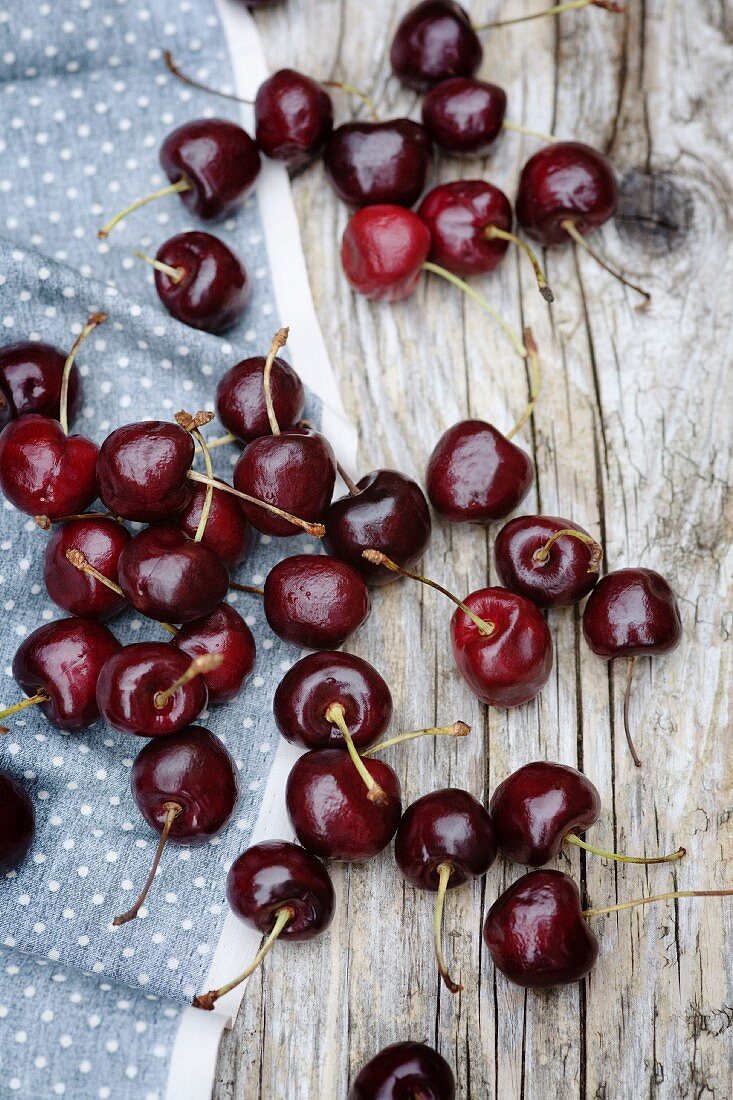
[89, 1011]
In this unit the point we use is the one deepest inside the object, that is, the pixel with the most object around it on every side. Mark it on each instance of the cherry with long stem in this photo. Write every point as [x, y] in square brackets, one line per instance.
[95, 320]
[558, 9]
[572, 230]
[207, 1000]
[493, 233]
[79, 561]
[672, 857]
[170, 189]
[456, 729]
[335, 713]
[173, 809]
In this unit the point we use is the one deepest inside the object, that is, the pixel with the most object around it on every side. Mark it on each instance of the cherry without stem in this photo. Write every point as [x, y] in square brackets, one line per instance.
[404, 1070]
[368, 163]
[17, 823]
[30, 382]
[315, 601]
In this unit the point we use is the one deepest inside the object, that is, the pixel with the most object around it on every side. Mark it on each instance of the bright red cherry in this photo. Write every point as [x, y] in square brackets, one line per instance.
[550, 560]
[170, 577]
[227, 531]
[434, 41]
[383, 251]
[402, 1071]
[315, 601]
[200, 281]
[30, 381]
[368, 163]
[142, 470]
[225, 632]
[17, 823]
[464, 116]
[101, 540]
[293, 117]
[240, 398]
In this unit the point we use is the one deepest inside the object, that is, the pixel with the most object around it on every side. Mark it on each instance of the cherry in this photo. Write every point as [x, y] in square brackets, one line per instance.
[315, 601]
[293, 117]
[223, 631]
[385, 510]
[541, 806]
[186, 788]
[30, 382]
[142, 470]
[333, 813]
[282, 891]
[58, 665]
[17, 823]
[170, 577]
[227, 532]
[368, 163]
[200, 281]
[501, 644]
[404, 1070]
[310, 688]
[464, 116]
[383, 251]
[434, 41]
[152, 689]
[101, 540]
[212, 164]
[550, 560]
[632, 613]
[444, 840]
[240, 398]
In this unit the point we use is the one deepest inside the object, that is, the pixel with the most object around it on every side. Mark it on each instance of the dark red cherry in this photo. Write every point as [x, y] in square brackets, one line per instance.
[227, 532]
[632, 613]
[550, 560]
[464, 116]
[317, 681]
[475, 474]
[378, 162]
[169, 577]
[240, 398]
[58, 666]
[402, 1071]
[293, 117]
[6, 409]
[17, 823]
[142, 471]
[383, 251]
[218, 159]
[30, 381]
[315, 601]
[45, 472]
[536, 933]
[387, 511]
[134, 694]
[460, 217]
[223, 631]
[294, 470]
[434, 41]
[202, 283]
[101, 541]
[330, 808]
[565, 181]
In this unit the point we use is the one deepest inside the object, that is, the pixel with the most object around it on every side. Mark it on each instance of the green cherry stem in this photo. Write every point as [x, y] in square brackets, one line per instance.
[94, 321]
[208, 1000]
[492, 233]
[457, 729]
[657, 897]
[79, 561]
[445, 871]
[176, 188]
[569, 5]
[173, 809]
[335, 714]
[571, 838]
[542, 554]
[279, 341]
[572, 230]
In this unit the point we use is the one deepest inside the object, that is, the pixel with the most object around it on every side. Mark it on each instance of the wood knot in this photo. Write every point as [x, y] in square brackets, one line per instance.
[654, 211]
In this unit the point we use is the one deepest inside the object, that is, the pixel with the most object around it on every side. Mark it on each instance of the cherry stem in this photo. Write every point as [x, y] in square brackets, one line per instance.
[542, 554]
[516, 128]
[376, 557]
[175, 274]
[79, 561]
[658, 897]
[627, 697]
[317, 530]
[535, 381]
[222, 441]
[279, 340]
[46, 524]
[175, 71]
[354, 491]
[251, 588]
[445, 870]
[172, 189]
[458, 729]
[572, 230]
[571, 838]
[492, 233]
[173, 809]
[95, 320]
[335, 714]
[351, 89]
[199, 666]
[570, 5]
[192, 425]
[40, 697]
[480, 300]
[208, 1000]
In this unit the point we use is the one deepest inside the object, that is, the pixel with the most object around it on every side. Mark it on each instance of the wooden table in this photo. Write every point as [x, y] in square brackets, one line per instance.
[631, 439]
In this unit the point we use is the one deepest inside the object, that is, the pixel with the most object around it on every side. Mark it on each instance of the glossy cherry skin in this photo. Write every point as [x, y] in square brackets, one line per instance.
[510, 666]
[308, 689]
[220, 161]
[378, 162]
[315, 601]
[536, 807]
[402, 1071]
[130, 680]
[142, 471]
[389, 513]
[383, 250]
[214, 290]
[275, 874]
[433, 42]
[222, 631]
[240, 398]
[536, 933]
[464, 116]
[30, 380]
[329, 809]
[564, 578]
[6, 409]
[194, 769]
[44, 472]
[475, 474]
[169, 577]
[101, 541]
[293, 117]
[458, 215]
[565, 180]
[65, 658]
[632, 613]
[445, 826]
[17, 823]
[227, 531]
[295, 470]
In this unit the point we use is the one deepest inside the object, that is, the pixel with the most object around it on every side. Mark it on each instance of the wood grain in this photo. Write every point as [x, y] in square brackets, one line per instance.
[631, 439]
